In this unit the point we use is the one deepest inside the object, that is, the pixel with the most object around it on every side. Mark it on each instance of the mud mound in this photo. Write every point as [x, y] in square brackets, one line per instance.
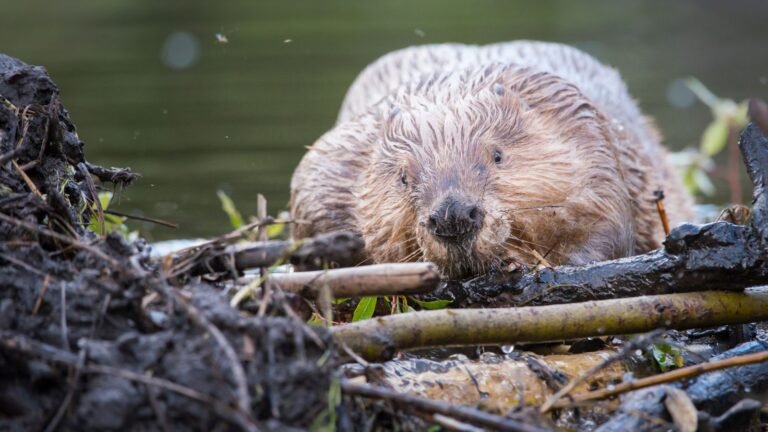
[92, 336]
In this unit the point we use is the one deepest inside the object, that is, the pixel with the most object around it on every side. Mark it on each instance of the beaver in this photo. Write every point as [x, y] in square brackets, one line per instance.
[488, 157]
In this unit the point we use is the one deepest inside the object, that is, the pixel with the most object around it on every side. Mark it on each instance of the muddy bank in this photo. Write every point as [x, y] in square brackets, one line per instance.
[92, 336]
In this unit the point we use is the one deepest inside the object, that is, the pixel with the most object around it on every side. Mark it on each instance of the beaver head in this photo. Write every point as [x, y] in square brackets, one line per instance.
[501, 166]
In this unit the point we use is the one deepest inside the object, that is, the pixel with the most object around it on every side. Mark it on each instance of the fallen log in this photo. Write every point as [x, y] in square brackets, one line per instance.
[499, 382]
[380, 338]
[335, 249]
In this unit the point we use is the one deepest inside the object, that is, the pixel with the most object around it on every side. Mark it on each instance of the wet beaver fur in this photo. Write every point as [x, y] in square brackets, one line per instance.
[482, 157]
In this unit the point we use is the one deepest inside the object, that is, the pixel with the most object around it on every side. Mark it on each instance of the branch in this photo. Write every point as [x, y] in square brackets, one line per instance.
[380, 279]
[380, 338]
[341, 248]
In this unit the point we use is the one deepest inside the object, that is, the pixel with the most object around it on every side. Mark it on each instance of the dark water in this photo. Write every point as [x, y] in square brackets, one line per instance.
[150, 86]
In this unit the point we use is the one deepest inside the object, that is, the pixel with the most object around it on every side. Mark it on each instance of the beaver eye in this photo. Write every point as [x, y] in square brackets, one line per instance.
[497, 156]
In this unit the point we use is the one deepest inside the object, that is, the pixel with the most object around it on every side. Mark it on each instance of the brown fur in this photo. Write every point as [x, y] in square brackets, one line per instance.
[575, 183]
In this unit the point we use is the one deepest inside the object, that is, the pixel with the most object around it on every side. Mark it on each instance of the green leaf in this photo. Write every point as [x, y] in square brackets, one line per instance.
[365, 308]
[703, 183]
[111, 222]
[340, 300]
[431, 305]
[275, 230]
[715, 137]
[229, 208]
[689, 181]
[665, 356]
[105, 198]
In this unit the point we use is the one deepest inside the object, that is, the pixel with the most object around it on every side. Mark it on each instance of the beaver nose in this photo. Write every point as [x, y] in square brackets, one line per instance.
[455, 220]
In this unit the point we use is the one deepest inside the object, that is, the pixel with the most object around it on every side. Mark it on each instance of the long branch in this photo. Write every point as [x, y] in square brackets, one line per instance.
[381, 337]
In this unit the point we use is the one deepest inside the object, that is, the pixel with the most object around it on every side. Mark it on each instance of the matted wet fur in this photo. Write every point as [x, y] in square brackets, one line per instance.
[540, 144]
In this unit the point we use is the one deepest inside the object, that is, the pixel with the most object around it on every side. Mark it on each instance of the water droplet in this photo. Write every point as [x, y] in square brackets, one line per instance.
[506, 349]
[221, 38]
[180, 50]
[287, 41]
[679, 95]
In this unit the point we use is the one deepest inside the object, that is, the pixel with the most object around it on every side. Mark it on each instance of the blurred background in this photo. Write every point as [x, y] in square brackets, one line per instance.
[199, 96]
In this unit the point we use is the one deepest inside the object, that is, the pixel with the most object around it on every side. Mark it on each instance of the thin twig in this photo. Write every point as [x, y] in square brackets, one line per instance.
[43, 290]
[450, 423]
[27, 180]
[266, 289]
[659, 195]
[678, 374]
[143, 218]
